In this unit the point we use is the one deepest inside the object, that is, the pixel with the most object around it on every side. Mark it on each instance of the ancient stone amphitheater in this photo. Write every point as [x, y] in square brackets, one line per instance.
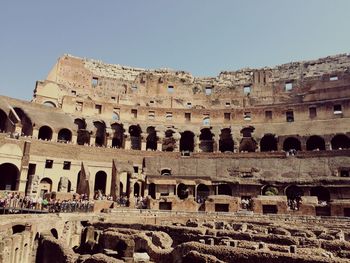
[249, 166]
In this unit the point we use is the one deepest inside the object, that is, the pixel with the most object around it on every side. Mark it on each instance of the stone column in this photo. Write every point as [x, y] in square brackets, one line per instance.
[35, 134]
[54, 137]
[74, 139]
[109, 142]
[144, 141]
[161, 136]
[196, 143]
[177, 137]
[127, 140]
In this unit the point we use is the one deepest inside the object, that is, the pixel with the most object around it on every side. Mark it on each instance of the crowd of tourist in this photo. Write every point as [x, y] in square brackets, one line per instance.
[294, 203]
[15, 203]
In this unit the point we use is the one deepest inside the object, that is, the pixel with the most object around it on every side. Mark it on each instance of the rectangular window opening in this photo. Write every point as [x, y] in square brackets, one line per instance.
[208, 91]
[74, 92]
[136, 169]
[333, 78]
[337, 109]
[188, 116]
[98, 108]
[189, 104]
[66, 165]
[112, 98]
[227, 116]
[134, 113]
[288, 86]
[94, 81]
[312, 112]
[171, 89]
[227, 104]
[345, 173]
[49, 164]
[247, 90]
[247, 116]
[151, 115]
[268, 115]
[289, 116]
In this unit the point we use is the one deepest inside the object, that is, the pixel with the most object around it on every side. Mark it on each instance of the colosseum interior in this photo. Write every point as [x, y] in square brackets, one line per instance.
[252, 165]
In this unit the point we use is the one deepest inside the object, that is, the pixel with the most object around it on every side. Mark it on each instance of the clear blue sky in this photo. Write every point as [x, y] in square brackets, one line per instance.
[203, 37]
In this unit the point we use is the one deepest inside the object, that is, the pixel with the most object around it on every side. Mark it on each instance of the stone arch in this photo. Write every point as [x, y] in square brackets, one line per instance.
[202, 192]
[224, 189]
[247, 144]
[187, 141]
[226, 143]
[64, 135]
[169, 141]
[45, 133]
[135, 137]
[152, 190]
[315, 143]
[50, 104]
[321, 192]
[206, 140]
[269, 190]
[118, 135]
[137, 189]
[100, 182]
[291, 143]
[27, 126]
[151, 140]
[268, 143]
[3, 121]
[100, 133]
[9, 174]
[45, 186]
[293, 192]
[83, 135]
[340, 141]
[182, 191]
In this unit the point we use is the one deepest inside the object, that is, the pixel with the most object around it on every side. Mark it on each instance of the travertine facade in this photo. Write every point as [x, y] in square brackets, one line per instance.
[188, 143]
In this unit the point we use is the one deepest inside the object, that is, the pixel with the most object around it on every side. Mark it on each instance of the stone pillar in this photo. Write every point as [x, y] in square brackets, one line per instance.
[303, 143]
[257, 144]
[196, 143]
[161, 136]
[22, 180]
[177, 137]
[109, 142]
[74, 139]
[144, 141]
[54, 137]
[35, 134]
[127, 141]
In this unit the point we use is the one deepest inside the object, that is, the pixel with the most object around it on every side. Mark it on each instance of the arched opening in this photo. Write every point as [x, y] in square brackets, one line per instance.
[45, 186]
[168, 142]
[100, 133]
[315, 143]
[9, 174]
[291, 143]
[3, 121]
[224, 189]
[83, 135]
[269, 190]
[268, 143]
[50, 104]
[54, 233]
[206, 140]
[165, 172]
[226, 142]
[202, 193]
[136, 190]
[293, 192]
[340, 141]
[152, 190]
[182, 191]
[135, 137]
[322, 194]
[45, 133]
[151, 141]
[187, 141]
[27, 126]
[118, 135]
[247, 144]
[64, 135]
[100, 182]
